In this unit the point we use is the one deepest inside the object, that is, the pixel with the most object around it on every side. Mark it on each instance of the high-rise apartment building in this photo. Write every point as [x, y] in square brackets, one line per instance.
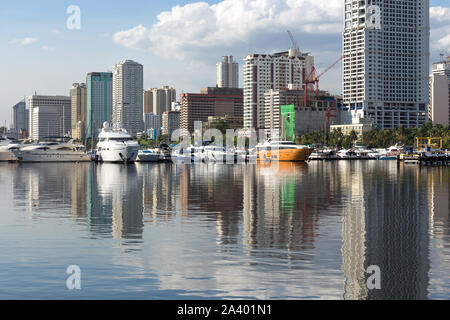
[78, 98]
[20, 117]
[211, 101]
[158, 101]
[276, 71]
[152, 122]
[98, 102]
[170, 122]
[386, 63]
[128, 109]
[50, 116]
[439, 105]
[227, 73]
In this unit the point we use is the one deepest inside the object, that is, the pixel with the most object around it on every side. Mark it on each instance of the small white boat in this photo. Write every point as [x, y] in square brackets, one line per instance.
[5, 150]
[148, 156]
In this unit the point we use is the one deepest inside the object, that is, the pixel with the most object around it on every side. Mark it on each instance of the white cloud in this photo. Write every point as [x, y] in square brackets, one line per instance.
[24, 41]
[187, 30]
[48, 48]
[440, 14]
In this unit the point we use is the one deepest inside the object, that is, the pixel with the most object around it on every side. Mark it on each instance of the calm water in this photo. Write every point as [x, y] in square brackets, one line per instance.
[164, 231]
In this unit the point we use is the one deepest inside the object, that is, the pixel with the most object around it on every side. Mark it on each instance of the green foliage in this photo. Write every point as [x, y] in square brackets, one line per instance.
[377, 138]
[222, 126]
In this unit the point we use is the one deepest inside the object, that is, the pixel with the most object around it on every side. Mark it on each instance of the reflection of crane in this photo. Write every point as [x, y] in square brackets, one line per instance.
[294, 43]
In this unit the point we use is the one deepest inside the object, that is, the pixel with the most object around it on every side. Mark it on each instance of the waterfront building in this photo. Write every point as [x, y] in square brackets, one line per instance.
[439, 105]
[50, 116]
[158, 101]
[359, 125]
[20, 117]
[98, 102]
[78, 102]
[152, 122]
[128, 77]
[227, 73]
[171, 121]
[276, 71]
[211, 101]
[386, 61]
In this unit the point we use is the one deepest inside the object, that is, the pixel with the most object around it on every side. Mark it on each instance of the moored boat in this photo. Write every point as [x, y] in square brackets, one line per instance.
[273, 150]
[116, 145]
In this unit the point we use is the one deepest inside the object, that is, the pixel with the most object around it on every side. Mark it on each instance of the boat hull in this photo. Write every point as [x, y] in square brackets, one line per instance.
[292, 155]
[7, 156]
[148, 157]
[51, 156]
[126, 154]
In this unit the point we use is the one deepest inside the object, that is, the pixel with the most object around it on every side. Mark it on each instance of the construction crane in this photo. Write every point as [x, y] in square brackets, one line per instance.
[294, 43]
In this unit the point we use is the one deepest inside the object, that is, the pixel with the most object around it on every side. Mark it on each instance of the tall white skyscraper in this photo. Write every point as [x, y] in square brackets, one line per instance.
[227, 73]
[264, 72]
[386, 64]
[128, 88]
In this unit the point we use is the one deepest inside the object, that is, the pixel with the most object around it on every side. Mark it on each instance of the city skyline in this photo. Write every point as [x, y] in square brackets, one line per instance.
[39, 47]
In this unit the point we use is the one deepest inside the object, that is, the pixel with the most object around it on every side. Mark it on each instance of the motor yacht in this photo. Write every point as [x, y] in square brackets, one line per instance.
[52, 151]
[5, 152]
[274, 150]
[116, 145]
[148, 156]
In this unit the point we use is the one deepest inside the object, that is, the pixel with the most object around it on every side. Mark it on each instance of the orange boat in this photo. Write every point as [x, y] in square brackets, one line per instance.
[282, 151]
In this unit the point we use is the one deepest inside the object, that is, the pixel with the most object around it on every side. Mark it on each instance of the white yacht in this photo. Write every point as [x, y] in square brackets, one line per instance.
[149, 156]
[50, 152]
[5, 152]
[214, 153]
[116, 145]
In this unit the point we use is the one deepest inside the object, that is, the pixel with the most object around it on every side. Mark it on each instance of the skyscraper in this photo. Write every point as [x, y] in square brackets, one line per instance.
[158, 101]
[276, 71]
[78, 98]
[98, 101]
[227, 73]
[20, 117]
[439, 106]
[128, 77]
[50, 116]
[386, 63]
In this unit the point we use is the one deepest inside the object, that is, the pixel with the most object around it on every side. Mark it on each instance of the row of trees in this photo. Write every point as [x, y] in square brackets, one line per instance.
[377, 138]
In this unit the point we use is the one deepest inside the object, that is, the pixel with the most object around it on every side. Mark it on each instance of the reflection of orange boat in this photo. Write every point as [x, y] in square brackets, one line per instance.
[282, 151]
[281, 168]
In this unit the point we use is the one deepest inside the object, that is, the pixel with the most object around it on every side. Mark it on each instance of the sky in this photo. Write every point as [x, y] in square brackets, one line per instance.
[178, 42]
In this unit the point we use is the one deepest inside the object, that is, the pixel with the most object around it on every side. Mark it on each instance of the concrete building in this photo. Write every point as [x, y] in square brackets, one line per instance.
[50, 116]
[211, 101]
[439, 105]
[20, 117]
[386, 63]
[171, 121]
[158, 101]
[98, 102]
[78, 101]
[359, 125]
[128, 108]
[227, 73]
[264, 72]
[152, 122]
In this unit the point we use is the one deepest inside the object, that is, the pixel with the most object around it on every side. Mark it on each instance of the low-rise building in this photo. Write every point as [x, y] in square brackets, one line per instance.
[359, 125]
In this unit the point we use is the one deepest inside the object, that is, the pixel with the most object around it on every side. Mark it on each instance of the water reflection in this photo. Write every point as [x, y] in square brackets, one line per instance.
[302, 230]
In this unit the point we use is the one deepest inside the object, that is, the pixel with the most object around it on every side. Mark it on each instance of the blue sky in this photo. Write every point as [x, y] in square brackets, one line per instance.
[178, 48]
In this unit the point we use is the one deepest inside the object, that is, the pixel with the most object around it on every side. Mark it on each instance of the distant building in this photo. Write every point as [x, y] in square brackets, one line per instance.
[20, 117]
[158, 101]
[386, 63]
[170, 122]
[50, 116]
[307, 118]
[276, 71]
[359, 125]
[78, 101]
[212, 101]
[227, 73]
[439, 105]
[98, 102]
[152, 122]
[232, 122]
[128, 108]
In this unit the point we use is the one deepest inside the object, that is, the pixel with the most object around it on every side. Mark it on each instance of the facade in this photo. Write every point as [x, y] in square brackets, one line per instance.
[152, 122]
[233, 122]
[158, 101]
[20, 117]
[50, 116]
[98, 102]
[171, 121]
[386, 63]
[212, 101]
[264, 72]
[78, 101]
[359, 125]
[307, 118]
[439, 105]
[128, 108]
[227, 73]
